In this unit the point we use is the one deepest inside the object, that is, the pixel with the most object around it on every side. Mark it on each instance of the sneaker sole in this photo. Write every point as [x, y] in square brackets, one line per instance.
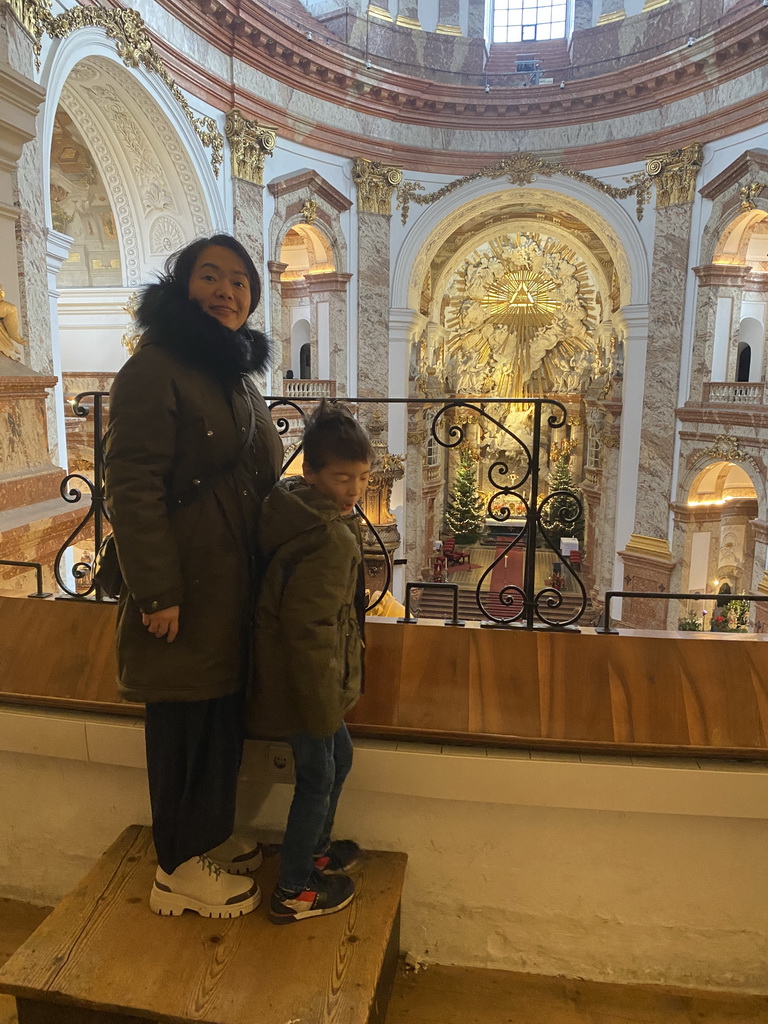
[290, 918]
[340, 871]
[173, 904]
[240, 867]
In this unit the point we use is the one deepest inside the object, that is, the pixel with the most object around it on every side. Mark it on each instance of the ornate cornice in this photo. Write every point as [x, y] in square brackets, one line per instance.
[249, 144]
[723, 275]
[753, 163]
[261, 38]
[675, 174]
[134, 47]
[316, 184]
[376, 184]
[521, 169]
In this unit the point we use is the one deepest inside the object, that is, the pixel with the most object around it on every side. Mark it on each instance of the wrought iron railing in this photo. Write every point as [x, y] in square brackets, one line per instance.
[514, 500]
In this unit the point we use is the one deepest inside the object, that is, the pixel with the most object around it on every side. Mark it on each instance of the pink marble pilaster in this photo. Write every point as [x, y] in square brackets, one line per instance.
[662, 369]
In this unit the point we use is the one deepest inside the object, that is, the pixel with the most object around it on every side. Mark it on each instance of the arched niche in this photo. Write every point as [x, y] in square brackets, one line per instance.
[428, 230]
[143, 193]
[749, 353]
[719, 542]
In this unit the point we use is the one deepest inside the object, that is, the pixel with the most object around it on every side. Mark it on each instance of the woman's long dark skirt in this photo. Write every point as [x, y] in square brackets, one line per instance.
[194, 750]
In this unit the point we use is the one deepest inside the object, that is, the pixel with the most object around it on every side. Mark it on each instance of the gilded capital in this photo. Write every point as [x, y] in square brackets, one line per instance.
[249, 143]
[675, 174]
[375, 185]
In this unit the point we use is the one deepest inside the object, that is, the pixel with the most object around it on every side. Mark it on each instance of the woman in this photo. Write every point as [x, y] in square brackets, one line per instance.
[190, 454]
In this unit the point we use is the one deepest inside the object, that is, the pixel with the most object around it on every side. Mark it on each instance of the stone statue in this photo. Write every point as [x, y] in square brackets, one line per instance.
[11, 342]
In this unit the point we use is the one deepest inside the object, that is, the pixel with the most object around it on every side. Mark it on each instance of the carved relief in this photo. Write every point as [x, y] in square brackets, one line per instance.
[249, 143]
[165, 236]
[376, 183]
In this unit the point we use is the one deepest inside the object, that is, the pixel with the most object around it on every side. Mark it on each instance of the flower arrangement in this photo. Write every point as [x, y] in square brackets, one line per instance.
[733, 618]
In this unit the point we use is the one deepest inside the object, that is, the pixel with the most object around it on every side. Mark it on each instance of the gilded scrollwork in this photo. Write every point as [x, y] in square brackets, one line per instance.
[376, 183]
[134, 47]
[728, 448]
[675, 174]
[249, 144]
[522, 169]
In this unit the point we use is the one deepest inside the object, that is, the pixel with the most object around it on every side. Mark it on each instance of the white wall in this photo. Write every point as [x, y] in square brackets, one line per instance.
[92, 322]
[587, 867]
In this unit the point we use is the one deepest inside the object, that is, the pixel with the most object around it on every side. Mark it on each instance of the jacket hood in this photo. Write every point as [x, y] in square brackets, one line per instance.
[179, 324]
[292, 508]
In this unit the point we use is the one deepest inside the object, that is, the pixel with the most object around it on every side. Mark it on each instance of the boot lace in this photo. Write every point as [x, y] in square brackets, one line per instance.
[210, 866]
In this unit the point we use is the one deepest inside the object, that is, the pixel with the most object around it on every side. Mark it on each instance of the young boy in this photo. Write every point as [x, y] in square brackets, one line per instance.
[309, 624]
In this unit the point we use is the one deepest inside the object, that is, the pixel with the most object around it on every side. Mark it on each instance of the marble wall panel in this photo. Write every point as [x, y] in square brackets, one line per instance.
[373, 311]
[248, 203]
[662, 371]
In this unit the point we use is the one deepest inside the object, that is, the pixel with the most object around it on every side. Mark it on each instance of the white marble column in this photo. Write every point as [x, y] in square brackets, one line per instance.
[56, 252]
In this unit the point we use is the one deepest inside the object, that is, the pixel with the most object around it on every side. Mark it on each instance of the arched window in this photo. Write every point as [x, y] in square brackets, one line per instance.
[523, 21]
[743, 362]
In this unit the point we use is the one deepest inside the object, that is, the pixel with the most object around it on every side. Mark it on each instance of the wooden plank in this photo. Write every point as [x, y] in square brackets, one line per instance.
[33, 1012]
[105, 951]
[58, 649]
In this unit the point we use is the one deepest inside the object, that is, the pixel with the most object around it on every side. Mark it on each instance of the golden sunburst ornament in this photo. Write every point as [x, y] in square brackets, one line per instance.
[524, 299]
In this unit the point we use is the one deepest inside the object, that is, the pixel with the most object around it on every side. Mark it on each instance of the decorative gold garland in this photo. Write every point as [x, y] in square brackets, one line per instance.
[521, 169]
[134, 47]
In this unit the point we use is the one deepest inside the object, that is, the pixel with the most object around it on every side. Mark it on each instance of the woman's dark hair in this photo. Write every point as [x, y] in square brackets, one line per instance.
[332, 432]
[179, 266]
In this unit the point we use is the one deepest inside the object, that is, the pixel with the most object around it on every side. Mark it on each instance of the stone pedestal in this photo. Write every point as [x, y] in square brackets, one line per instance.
[648, 566]
[27, 474]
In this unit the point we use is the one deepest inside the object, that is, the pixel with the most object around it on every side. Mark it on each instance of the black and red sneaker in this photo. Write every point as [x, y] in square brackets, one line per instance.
[338, 857]
[321, 896]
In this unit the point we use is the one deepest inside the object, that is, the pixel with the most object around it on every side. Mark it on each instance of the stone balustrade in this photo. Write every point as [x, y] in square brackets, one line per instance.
[735, 393]
[304, 388]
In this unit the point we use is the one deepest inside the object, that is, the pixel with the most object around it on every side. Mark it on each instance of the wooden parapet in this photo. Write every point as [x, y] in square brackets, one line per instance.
[102, 957]
[636, 692]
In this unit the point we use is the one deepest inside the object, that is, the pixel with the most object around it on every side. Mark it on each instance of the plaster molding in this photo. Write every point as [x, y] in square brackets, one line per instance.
[751, 164]
[313, 183]
[607, 218]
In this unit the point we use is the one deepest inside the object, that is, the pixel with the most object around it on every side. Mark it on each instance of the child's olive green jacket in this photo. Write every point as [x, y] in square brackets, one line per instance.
[308, 648]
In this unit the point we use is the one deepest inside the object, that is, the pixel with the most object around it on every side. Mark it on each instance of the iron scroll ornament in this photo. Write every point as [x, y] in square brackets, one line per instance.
[526, 605]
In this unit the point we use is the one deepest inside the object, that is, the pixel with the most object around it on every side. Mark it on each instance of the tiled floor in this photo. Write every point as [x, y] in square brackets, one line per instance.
[457, 995]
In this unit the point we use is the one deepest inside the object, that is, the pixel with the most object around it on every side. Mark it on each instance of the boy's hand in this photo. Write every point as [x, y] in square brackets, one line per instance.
[164, 623]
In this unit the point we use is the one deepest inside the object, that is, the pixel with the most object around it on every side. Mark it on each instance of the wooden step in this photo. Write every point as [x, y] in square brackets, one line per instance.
[102, 957]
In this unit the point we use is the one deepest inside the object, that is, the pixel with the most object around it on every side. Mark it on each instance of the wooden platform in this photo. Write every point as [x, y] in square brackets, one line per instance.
[102, 957]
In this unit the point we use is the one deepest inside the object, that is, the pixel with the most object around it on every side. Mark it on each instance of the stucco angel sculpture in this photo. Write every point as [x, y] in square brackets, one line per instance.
[11, 342]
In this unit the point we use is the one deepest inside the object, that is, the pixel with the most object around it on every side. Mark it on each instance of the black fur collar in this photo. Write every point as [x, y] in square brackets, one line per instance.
[178, 324]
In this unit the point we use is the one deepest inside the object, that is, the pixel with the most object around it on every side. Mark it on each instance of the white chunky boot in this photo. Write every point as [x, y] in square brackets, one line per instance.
[199, 884]
[238, 855]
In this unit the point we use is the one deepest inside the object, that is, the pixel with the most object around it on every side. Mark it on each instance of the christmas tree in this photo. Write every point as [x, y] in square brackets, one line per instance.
[560, 517]
[465, 514]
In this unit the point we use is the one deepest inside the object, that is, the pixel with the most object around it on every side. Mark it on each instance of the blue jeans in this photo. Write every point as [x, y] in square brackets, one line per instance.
[322, 765]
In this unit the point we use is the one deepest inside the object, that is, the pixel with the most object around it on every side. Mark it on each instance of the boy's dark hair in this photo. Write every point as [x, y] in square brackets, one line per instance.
[332, 432]
[179, 265]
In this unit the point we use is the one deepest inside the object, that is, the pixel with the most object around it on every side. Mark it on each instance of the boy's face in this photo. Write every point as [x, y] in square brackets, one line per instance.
[343, 481]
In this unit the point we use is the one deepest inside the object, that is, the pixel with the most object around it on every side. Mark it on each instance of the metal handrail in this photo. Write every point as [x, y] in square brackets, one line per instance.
[38, 574]
[452, 588]
[610, 594]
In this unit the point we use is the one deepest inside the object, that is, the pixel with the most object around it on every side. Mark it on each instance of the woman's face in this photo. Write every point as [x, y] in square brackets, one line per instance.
[219, 284]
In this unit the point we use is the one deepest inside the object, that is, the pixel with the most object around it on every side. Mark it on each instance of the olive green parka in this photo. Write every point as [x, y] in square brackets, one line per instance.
[184, 493]
[308, 646]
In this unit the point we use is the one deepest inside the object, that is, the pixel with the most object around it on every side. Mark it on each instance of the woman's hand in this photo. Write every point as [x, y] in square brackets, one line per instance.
[163, 623]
